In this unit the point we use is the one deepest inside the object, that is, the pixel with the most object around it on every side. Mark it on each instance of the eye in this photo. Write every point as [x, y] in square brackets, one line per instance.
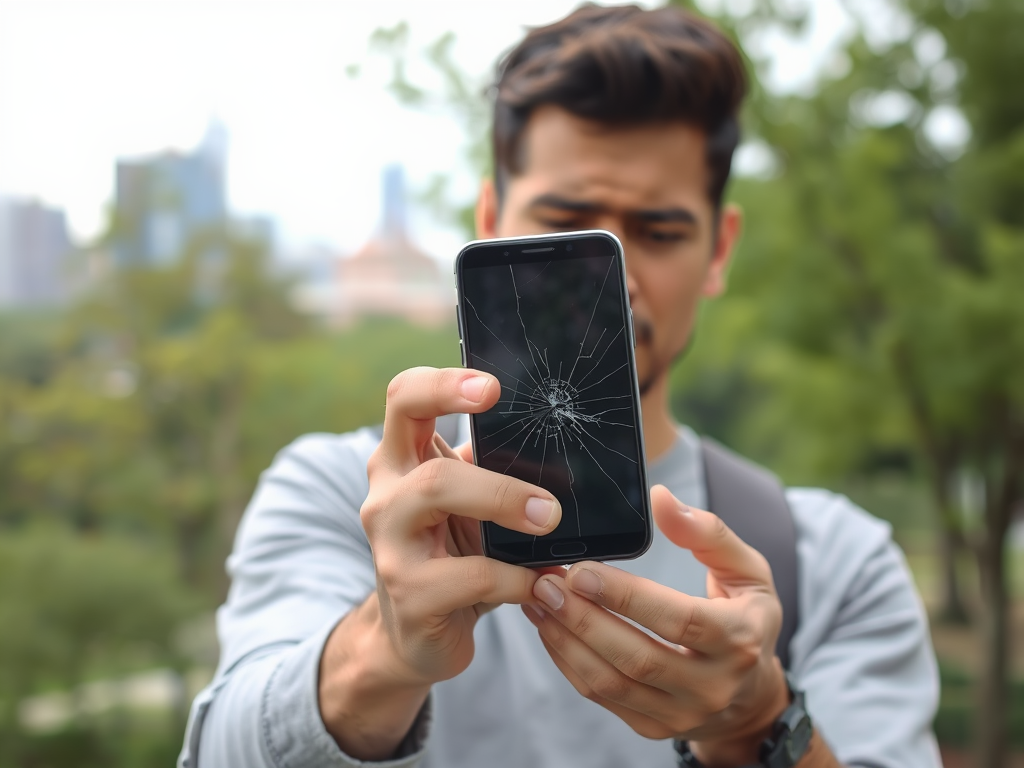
[558, 222]
[666, 237]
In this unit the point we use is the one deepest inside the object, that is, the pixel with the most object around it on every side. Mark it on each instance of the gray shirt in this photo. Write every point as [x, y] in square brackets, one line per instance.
[301, 561]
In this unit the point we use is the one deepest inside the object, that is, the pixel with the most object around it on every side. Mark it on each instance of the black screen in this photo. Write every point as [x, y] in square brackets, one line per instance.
[553, 327]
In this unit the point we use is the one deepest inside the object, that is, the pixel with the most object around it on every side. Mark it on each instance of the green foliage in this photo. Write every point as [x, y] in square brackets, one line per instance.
[72, 607]
[96, 746]
[955, 721]
[874, 321]
[27, 345]
[457, 95]
[332, 383]
[69, 604]
[133, 429]
[173, 388]
[873, 296]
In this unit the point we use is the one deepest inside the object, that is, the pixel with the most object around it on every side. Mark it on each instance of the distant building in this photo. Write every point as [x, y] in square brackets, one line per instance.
[389, 276]
[163, 200]
[34, 254]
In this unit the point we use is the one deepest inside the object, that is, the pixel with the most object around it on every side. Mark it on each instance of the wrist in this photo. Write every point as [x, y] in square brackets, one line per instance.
[368, 698]
[742, 746]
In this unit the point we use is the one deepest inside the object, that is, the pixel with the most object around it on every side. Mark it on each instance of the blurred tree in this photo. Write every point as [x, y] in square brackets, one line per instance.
[885, 264]
[179, 342]
[28, 344]
[133, 426]
[137, 423]
[73, 607]
[170, 391]
[455, 94]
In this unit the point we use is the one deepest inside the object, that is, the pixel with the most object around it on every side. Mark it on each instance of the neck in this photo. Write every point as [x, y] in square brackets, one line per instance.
[660, 428]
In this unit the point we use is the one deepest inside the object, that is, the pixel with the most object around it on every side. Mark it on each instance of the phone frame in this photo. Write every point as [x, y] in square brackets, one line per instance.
[557, 239]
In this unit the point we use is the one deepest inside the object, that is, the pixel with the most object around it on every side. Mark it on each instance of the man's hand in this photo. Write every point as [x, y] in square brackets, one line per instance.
[422, 517]
[715, 680]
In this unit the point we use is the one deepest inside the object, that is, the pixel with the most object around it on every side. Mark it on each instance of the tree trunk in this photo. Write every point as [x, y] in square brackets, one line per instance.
[952, 609]
[941, 459]
[993, 689]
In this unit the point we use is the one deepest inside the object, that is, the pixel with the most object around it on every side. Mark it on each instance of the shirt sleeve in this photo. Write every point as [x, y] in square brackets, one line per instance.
[300, 563]
[863, 652]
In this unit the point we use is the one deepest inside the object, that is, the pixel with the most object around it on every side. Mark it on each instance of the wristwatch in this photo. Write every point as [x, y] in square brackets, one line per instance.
[791, 735]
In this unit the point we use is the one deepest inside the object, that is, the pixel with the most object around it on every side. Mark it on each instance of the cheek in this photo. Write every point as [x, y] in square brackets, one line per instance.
[673, 295]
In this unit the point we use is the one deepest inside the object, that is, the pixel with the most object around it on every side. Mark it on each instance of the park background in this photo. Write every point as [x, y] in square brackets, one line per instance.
[156, 352]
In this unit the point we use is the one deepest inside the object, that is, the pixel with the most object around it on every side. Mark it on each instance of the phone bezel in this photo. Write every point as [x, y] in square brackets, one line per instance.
[634, 545]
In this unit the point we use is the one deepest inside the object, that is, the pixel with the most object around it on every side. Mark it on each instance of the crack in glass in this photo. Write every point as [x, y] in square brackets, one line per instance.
[556, 404]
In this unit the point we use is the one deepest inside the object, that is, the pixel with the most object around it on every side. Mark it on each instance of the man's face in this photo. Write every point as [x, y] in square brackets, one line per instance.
[648, 185]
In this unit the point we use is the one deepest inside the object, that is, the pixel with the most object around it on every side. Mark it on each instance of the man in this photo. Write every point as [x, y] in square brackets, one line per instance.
[363, 626]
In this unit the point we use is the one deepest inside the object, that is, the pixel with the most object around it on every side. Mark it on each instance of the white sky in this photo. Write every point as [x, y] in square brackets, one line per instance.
[83, 82]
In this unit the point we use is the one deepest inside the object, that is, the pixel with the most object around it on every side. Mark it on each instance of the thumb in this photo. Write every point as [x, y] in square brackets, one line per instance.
[729, 559]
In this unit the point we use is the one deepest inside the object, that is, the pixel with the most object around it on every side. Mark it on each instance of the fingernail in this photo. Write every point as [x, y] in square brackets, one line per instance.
[586, 582]
[473, 388]
[549, 594]
[535, 610]
[684, 510]
[539, 511]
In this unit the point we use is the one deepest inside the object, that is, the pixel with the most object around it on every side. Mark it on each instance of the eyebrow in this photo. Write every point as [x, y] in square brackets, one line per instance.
[649, 215]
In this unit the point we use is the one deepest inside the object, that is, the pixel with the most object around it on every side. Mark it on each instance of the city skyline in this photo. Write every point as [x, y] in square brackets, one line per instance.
[34, 254]
[163, 200]
[308, 141]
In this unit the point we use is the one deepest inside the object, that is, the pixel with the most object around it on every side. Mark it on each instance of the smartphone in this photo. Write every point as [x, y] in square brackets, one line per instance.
[549, 316]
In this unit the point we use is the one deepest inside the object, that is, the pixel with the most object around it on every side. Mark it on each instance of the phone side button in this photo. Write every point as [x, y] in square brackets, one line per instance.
[462, 352]
[568, 549]
[632, 329]
[458, 321]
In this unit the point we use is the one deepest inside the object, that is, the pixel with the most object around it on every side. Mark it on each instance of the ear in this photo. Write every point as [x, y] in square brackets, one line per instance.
[730, 224]
[487, 211]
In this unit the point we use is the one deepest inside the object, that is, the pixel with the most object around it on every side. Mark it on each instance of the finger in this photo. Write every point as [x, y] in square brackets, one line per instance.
[417, 396]
[645, 725]
[437, 448]
[444, 585]
[465, 452]
[445, 450]
[693, 622]
[599, 676]
[551, 570]
[729, 559]
[438, 488]
[627, 648]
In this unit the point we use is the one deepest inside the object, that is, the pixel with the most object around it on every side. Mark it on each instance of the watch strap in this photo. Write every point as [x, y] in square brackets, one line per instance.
[791, 735]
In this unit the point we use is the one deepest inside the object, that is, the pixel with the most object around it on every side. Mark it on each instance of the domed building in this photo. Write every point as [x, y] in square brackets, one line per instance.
[389, 276]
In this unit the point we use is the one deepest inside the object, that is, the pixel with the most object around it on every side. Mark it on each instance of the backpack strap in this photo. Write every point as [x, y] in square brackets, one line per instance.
[446, 426]
[752, 502]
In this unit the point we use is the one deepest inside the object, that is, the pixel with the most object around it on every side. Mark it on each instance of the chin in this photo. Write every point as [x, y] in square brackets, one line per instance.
[649, 370]
[645, 377]
[643, 369]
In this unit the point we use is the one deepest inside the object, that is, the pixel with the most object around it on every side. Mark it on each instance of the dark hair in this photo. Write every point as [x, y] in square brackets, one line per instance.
[623, 66]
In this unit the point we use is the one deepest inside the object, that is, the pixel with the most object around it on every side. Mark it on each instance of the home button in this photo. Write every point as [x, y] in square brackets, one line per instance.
[568, 549]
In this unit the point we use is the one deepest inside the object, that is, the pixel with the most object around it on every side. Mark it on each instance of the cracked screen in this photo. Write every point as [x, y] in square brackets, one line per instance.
[552, 328]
